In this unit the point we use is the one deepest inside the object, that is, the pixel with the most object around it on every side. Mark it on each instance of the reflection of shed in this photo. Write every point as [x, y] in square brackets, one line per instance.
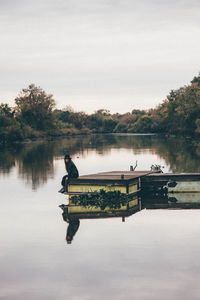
[171, 201]
[93, 212]
[174, 182]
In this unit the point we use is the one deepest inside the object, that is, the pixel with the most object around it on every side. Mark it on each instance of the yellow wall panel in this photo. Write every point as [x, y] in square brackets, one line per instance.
[92, 188]
[133, 188]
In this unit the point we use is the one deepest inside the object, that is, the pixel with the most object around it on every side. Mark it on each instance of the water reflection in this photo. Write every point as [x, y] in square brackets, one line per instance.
[35, 164]
[172, 201]
[72, 214]
[34, 161]
[7, 160]
[73, 226]
[153, 255]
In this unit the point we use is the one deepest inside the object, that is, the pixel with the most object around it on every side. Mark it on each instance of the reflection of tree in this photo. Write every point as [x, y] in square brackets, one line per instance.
[35, 160]
[7, 160]
[35, 163]
[180, 154]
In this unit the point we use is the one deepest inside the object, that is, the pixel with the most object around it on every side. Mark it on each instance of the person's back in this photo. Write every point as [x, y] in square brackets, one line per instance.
[72, 172]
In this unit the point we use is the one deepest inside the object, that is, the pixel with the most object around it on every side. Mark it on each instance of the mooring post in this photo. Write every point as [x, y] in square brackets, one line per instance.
[131, 167]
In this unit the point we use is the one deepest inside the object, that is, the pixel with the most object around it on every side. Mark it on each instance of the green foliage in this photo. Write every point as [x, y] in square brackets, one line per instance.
[101, 121]
[121, 128]
[197, 125]
[63, 115]
[6, 115]
[143, 125]
[101, 199]
[9, 127]
[109, 124]
[196, 80]
[181, 110]
[138, 112]
[78, 119]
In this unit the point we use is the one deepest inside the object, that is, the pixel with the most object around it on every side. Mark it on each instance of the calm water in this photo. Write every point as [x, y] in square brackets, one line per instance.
[154, 254]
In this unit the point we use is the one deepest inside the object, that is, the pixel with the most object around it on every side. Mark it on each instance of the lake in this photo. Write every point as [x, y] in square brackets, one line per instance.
[152, 255]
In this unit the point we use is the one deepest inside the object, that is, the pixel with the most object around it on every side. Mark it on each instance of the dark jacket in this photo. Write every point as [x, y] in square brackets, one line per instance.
[71, 169]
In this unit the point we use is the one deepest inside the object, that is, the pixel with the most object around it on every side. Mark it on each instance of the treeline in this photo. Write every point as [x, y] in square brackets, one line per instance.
[35, 115]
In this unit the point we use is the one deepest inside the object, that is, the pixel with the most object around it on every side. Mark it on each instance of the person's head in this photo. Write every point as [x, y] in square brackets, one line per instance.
[67, 158]
[69, 239]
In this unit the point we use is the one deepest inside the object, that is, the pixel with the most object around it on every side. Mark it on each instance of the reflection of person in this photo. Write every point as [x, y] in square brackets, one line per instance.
[71, 169]
[72, 229]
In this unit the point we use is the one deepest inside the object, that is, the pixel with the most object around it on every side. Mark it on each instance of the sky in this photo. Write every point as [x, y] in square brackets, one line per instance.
[92, 54]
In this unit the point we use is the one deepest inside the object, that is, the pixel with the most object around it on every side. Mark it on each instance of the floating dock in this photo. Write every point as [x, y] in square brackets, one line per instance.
[132, 182]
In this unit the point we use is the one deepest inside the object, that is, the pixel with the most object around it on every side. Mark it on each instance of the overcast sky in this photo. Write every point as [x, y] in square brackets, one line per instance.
[91, 54]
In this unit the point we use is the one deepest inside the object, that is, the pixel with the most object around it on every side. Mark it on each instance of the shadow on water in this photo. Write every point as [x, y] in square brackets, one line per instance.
[34, 161]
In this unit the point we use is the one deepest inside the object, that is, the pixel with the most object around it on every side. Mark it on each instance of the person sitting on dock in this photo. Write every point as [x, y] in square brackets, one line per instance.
[72, 172]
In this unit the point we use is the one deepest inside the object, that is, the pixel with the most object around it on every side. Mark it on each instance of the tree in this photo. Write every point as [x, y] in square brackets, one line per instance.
[144, 124]
[104, 112]
[196, 80]
[6, 115]
[138, 112]
[35, 108]
[9, 127]
[78, 119]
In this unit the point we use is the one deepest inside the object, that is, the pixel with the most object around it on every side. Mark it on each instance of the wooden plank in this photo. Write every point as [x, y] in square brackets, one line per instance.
[108, 177]
[114, 176]
[126, 172]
